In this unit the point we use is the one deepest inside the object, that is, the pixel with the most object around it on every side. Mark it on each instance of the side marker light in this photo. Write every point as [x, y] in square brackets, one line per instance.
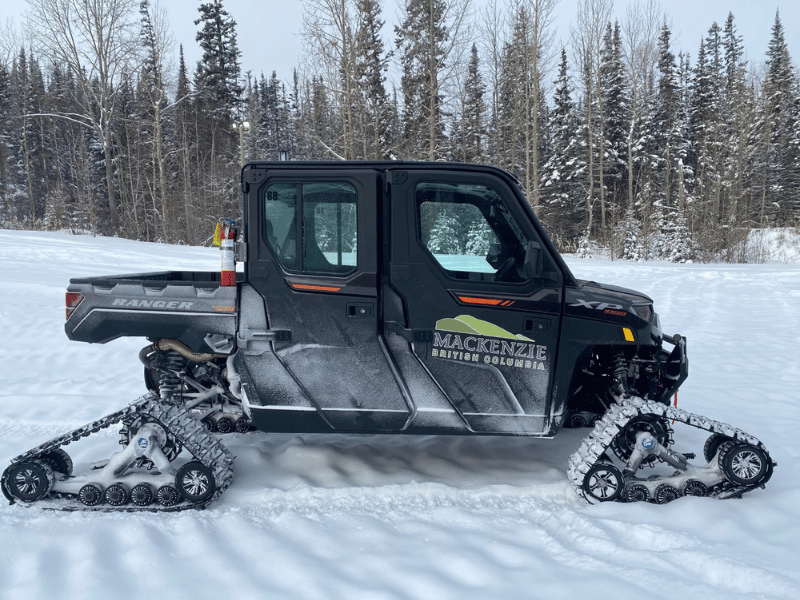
[73, 300]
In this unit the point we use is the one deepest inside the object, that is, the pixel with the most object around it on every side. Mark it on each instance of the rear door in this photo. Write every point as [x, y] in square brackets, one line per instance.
[459, 247]
[317, 269]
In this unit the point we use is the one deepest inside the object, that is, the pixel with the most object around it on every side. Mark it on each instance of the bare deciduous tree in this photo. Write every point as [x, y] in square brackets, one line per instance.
[95, 40]
[587, 41]
[329, 28]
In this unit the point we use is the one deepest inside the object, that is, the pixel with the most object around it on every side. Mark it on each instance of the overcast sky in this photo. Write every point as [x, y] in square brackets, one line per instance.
[268, 31]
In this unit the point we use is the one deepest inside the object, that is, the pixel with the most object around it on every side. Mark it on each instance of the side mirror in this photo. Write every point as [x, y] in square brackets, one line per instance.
[532, 266]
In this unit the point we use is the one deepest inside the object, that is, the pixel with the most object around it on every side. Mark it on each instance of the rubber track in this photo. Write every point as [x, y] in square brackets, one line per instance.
[193, 436]
[594, 446]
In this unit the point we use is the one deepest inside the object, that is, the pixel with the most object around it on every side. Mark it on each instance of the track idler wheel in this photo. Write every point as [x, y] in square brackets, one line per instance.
[195, 482]
[744, 464]
[603, 483]
[29, 480]
[714, 441]
[59, 461]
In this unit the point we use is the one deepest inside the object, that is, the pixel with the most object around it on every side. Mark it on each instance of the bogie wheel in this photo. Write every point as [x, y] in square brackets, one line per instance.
[665, 493]
[744, 464]
[59, 461]
[243, 425]
[117, 494]
[637, 493]
[195, 482]
[576, 422]
[142, 494]
[695, 488]
[624, 442]
[714, 441]
[224, 425]
[29, 480]
[603, 483]
[167, 495]
[91, 494]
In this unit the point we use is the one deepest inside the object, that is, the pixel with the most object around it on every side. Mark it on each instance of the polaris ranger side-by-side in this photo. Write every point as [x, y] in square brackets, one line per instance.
[384, 297]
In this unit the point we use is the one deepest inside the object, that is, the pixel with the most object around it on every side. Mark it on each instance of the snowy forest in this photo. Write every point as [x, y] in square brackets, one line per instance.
[619, 139]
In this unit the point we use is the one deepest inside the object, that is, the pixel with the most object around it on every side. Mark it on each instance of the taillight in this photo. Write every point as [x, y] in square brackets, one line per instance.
[73, 300]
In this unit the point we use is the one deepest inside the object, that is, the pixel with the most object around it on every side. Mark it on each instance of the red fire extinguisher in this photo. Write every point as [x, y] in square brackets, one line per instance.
[228, 247]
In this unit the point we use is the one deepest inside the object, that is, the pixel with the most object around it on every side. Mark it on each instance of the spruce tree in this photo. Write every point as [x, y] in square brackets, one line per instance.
[372, 62]
[217, 110]
[6, 145]
[564, 172]
[778, 92]
[421, 44]
[615, 105]
[666, 119]
[218, 71]
[473, 128]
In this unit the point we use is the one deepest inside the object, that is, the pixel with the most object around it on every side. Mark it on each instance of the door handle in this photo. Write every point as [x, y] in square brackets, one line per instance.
[359, 310]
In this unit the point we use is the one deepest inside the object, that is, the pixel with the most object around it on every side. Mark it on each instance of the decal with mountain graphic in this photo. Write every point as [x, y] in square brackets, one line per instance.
[467, 339]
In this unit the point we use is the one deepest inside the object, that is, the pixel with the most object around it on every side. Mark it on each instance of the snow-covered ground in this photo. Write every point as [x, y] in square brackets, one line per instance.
[389, 517]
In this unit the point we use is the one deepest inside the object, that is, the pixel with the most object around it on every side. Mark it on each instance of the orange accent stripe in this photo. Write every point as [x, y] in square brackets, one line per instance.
[314, 288]
[488, 301]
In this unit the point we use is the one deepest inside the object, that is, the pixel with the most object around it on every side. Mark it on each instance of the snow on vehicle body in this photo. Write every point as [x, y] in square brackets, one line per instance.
[396, 297]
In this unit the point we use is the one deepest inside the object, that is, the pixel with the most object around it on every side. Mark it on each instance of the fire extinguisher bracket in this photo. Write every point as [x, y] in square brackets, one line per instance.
[241, 252]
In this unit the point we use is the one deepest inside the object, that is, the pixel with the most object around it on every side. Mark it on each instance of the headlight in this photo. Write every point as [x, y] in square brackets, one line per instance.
[643, 311]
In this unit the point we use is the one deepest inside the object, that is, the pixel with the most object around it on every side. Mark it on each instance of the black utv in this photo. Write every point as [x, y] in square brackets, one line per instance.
[389, 297]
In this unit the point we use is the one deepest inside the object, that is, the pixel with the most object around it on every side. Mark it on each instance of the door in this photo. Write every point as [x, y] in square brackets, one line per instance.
[470, 267]
[317, 271]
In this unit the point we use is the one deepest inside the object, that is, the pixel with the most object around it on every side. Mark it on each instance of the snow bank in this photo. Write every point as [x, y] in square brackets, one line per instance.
[389, 517]
[774, 246]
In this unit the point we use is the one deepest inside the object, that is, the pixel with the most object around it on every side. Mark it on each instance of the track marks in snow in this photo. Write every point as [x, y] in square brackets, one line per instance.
[388, 518]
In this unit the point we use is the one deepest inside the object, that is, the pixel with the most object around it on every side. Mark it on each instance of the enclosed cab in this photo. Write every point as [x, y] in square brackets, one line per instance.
[425, 298]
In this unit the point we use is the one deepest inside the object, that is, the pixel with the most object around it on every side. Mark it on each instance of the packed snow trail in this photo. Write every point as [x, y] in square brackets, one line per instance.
[388, 517]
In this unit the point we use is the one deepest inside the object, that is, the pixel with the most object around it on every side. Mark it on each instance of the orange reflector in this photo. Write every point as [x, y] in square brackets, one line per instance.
[314, 288]
[676, 404]
[486, 301]
[628, 335]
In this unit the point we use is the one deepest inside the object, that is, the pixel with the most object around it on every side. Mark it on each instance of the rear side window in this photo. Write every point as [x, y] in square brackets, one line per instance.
[312, 227]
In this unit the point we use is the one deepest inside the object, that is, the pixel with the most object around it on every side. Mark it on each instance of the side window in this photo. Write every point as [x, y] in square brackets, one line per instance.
[469, 231]
[281, 225]
[312, 227]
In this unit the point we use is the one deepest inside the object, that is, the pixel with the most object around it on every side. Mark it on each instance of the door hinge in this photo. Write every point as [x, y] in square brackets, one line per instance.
[271, 335]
